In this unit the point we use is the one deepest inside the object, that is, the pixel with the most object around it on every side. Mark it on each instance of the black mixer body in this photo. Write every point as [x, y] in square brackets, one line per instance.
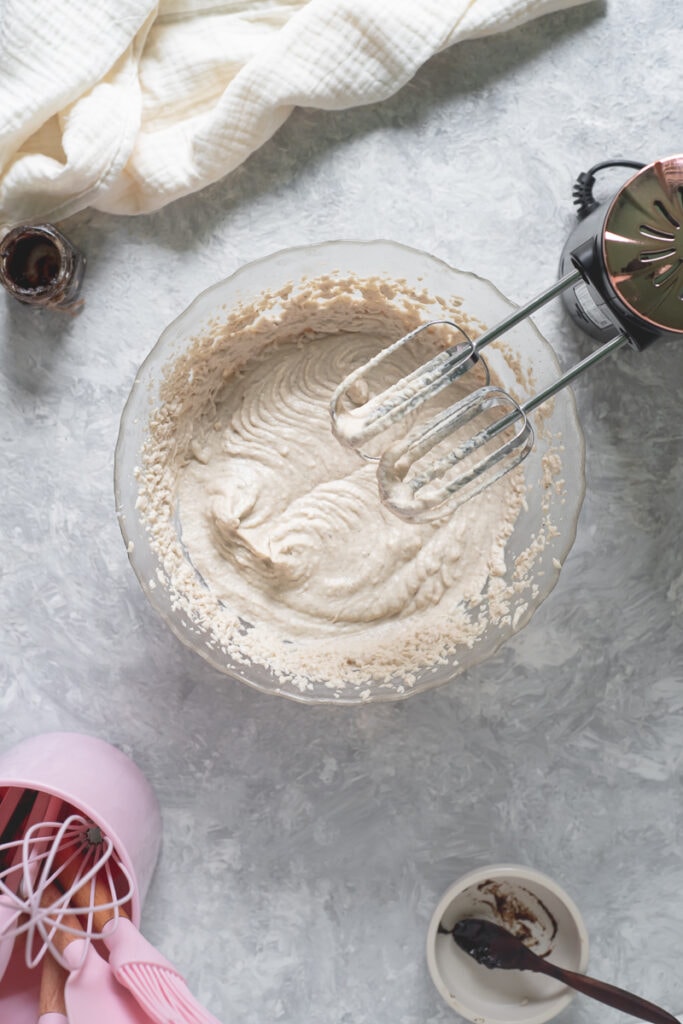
[629, 252]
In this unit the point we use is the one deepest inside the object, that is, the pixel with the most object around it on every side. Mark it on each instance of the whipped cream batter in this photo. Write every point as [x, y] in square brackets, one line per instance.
[260, 516]
[286, 524]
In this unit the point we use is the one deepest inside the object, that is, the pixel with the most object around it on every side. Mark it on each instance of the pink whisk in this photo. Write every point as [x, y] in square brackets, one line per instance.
[25, 855]
[71, 853]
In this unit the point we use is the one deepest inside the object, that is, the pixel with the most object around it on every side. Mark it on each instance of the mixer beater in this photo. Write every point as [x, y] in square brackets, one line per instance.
[621, 281]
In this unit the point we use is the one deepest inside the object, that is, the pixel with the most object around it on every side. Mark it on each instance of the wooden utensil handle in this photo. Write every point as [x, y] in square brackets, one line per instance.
[612, 996]
[52, 981]
[61, 939]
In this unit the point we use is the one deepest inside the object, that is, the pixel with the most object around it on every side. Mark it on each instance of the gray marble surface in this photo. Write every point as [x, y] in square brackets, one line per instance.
[305, 849]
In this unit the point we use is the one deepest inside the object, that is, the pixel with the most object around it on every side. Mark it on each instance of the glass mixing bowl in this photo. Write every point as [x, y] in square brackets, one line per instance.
[543, 532]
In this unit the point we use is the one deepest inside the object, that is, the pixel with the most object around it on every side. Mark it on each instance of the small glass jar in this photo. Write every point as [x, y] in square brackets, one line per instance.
[40, 267]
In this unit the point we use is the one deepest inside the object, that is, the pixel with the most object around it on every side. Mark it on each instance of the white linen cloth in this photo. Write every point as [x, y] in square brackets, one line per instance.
[125, 105]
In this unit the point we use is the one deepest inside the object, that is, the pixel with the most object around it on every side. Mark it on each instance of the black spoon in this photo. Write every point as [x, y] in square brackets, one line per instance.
[493, 946]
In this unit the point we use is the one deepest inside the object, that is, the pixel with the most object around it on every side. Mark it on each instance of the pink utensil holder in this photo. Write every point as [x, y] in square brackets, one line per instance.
[101, 783]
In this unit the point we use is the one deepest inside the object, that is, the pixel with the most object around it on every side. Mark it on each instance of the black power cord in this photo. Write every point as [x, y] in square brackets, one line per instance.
[582, 193]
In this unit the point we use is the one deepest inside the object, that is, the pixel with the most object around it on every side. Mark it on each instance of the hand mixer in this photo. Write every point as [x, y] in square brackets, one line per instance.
[621, 280]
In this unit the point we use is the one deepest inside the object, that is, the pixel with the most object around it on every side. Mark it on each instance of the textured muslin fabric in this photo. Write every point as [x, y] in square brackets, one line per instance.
[126, 105]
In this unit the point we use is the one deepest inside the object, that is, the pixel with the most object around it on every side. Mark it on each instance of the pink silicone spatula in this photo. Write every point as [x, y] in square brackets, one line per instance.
[151, 979]
[91, 992]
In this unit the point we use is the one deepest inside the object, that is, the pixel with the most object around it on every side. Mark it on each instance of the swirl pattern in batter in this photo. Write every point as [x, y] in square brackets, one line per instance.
[286, 524]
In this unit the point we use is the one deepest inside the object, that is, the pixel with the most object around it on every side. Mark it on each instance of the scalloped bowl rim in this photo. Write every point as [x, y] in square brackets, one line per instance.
[238, 672]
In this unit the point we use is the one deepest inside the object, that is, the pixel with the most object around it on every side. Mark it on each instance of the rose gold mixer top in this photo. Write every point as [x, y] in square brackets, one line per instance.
[621, 281]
